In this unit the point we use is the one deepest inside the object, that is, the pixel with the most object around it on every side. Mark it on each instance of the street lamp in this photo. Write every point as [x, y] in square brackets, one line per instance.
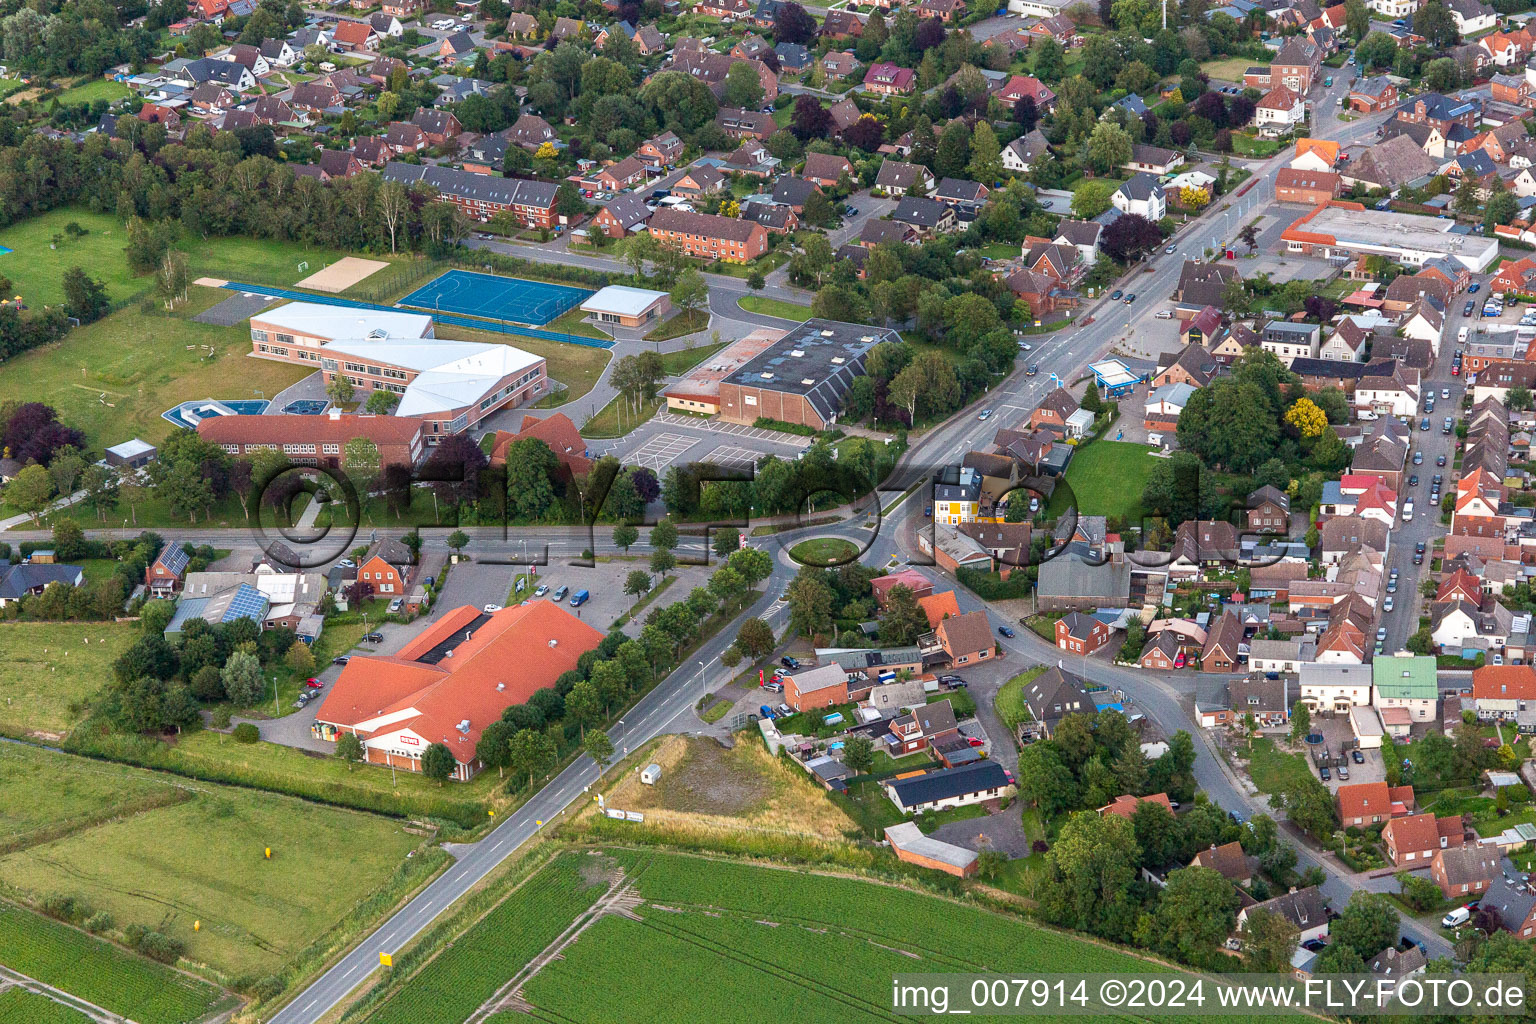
[621, 736]
[275, 708]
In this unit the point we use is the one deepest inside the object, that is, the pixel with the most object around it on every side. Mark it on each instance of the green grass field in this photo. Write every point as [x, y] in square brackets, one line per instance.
[617, 418]
[1107, 478]
[114, 378]
[44, 798]
[1247, 145]
[18, 1006]
[678, 325]
[824, 551]
[201, 859]
[680, 362]
[774, 307]
[1010, 698]
[92, 89]
[47, 670]
[1229, 70]
[98, 971]
[1272, 769]
[37, 271]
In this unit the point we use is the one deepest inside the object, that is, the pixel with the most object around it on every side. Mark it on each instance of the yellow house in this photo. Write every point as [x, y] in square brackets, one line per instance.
[958, 503]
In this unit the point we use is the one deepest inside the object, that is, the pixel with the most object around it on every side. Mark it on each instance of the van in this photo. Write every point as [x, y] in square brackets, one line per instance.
[1408, 511]
[1459, 916]
[651, 774]
[579, 598]
[1461, 335]
[560, 592]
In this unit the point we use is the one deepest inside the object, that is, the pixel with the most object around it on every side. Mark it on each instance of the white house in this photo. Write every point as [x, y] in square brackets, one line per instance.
[1142, 195]
[1426, 322]
[1280, 110]
[1394, 395]
[1394, 9]
[1472, 16]
[1335, 688]
[1022, 153]
[1405, 682]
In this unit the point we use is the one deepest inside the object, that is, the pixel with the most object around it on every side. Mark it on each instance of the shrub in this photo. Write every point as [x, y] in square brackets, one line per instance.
[247, 732]
[160, 947]
[221, 716]
[100, 921]
[65, 907]
[269, 987]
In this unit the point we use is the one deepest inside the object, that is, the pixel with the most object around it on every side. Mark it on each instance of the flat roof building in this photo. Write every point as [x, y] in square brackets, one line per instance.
[1341, 230]
[803, 377]
[627, 307]
[296, 331]
[699, 391]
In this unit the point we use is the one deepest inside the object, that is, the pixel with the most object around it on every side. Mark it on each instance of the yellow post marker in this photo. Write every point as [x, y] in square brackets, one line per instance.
[491, 812]
[387, 959]
[538, 823]
[197, 926]
[269, 853]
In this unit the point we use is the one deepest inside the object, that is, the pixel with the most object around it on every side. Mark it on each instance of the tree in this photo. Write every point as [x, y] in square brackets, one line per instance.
[1357, 20]
[1195, 914]
[1268, 942]
[437, 763]
[791, 24]
[30, 490]
[598, 747]
[1301, 721]
[928, 382]
[625, 535]
[1435, 23]
[531, 469]
[1109, 147]
[349, 748]
[1130, 237]
[458, 540]
[810, 602]
[300, 658]
[743, 87]
[1306, 417]
[903, 620]
[810, 120]
[85, 298]
[494, 746]
[986, 164]
[1376, 50]
[584, 705]
[1086, 883]
[1090, 199]
[637, 582]
[1367, 925]
[339, 389]
[1309, 804]
[726, 541]
[755, 638]
[1044, 781]
[690, 293]
[1519, 399]
[859, 754]
[1466, 201]
[381, 403]
[532, 751]
[242, 678]
[664, 534]
[663, 561]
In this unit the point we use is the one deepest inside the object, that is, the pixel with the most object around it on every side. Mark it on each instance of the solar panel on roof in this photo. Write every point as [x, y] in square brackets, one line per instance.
[248, 603]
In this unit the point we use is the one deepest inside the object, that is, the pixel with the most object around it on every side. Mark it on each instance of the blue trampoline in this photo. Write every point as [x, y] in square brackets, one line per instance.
[496, 298]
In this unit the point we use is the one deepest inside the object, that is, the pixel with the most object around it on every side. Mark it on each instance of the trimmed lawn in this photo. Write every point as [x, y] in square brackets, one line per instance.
[92, 89]
[573, 321]
[618, 418]
[114, 378]
[45, 798]
[49, 670]
[775, 307]
[824, 551]
[1247, 145]
[1229, 70]
[201, 860]
[1272, 769]
[675, 364]
[1107, 478]
[1010, 699]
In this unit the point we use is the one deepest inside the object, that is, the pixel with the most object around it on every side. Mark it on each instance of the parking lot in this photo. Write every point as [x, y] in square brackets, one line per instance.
[740, 430]
[732, 457]
[1337, 734]
[660, 451]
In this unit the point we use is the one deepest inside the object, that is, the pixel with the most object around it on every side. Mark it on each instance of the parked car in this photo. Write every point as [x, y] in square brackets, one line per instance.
[1343, 773]
[1169, 251]
[1130, 298]
[346, 563]
[341, 659]
[1357, 757]
[1325, 773]
[1117, 293]
[1445, 392]
[560, 592]
[1413, 478]
[1440, 460]
[976, 741]
[1005, 631]
[1424, 423]
[492, 608]
[543, 589]
[790, 663]
[1466, 310]
[313, 684]
[1314, 945]
[1418, 458]
[1386, 605]
[396, 605]
[374, 637]
[765, 711]
[1474, 288]
[774, 687]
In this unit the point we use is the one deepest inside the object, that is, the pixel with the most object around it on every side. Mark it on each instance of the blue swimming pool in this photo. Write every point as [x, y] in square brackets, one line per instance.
[190, 414]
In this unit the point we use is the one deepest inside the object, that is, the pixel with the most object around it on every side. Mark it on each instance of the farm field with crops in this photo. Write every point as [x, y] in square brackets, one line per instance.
[99, 972]
[18, 1006]
[451, 986]
[825, 946]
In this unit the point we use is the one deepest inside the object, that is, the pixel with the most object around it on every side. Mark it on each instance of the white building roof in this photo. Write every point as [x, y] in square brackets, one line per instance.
[622, 300]
[131, 449]
[323, 321]
[450, 374]
[907, 836]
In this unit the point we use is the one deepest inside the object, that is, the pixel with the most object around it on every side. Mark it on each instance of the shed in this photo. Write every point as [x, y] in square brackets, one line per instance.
[651, 774]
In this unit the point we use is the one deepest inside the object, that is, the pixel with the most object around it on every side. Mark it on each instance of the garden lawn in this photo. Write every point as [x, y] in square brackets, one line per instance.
[1107, 478]
[824, 551]
[48, 671]
[1228, 70]
[1272, 769]
[617, 418]
[1247, 145]
[686, 322]
[774, 307]
[114, 378]
[92, 89]
[202, 860]
[1010, 699]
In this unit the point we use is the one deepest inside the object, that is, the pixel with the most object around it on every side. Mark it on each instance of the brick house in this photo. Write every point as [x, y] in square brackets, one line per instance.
[708, 236]
[1462, 871]
[1414, 839]
[1310, 187]
[1372, 803]
[164, 576]
[1080, 634]
[819, 687]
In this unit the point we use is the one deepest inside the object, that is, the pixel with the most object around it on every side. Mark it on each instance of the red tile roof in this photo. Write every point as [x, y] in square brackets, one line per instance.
[1504, 682]
[520, 650]
[555, 430]
[1125, 805]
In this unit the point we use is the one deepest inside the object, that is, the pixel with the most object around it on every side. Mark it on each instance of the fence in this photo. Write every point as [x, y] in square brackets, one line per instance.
[499, 326]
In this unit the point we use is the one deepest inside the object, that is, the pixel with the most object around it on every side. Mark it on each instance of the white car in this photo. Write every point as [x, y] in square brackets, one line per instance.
[492, 608]
[1164, 314]
[1386, 605]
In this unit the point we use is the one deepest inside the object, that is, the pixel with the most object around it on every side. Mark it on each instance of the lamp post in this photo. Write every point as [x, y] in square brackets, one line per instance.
[621, 737]
[275, 708]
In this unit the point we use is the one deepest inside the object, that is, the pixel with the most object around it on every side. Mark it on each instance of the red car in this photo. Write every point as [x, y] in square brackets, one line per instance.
[975, 741]
[1178, 660]
[313, 684]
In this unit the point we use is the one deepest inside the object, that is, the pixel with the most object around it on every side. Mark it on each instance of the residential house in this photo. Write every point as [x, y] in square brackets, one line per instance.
[826, 169]
[1280, 110]
[1141, 195]
[1371, 95]
[1373, 803]
[709, 236]
[1306, 910]
[1269, 511]
[896, 178]
[1414, 839]
[973, 783]
[1464, 870]
[1081, 634]
[886, 79]
[1221, 645]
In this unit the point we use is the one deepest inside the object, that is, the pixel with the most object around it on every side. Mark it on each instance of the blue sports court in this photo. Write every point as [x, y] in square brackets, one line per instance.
[496, 298]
